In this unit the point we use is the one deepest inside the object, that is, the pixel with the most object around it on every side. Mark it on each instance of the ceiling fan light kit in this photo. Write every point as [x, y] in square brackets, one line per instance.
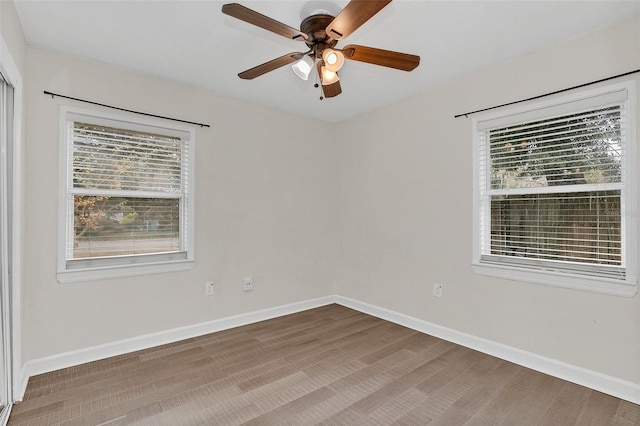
[321, 32]
[328, 77]
[333, 59]
[303, 67]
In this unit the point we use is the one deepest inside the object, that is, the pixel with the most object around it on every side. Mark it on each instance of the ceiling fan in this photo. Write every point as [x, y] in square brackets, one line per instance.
[321, 32]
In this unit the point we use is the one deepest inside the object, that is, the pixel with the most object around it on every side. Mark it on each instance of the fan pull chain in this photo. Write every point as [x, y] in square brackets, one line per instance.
[321, 91]
[317, 85]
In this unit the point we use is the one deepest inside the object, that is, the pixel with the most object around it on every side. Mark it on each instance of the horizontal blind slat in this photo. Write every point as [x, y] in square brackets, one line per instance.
[581, 227]
[553, 187]
[129, 192]
[579, 152]
[109, 158]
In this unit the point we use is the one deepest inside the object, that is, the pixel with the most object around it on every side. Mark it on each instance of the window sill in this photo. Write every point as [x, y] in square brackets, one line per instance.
[121, 271]
[563, 280]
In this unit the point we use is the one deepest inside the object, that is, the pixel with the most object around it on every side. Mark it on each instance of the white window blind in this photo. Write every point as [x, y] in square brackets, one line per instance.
[127, 193]
[553, 188]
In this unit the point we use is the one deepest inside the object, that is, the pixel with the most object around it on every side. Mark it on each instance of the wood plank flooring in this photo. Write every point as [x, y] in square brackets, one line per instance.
[329, 366]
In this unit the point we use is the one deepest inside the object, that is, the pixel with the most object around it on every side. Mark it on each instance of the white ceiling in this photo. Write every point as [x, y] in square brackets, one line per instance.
[193, 42]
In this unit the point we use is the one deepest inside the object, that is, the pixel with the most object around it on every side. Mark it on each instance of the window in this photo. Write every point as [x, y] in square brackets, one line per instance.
[127, 204]
[555, 192]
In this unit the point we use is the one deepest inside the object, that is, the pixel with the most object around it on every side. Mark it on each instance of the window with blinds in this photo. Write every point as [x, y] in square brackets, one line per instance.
[127, 192]
[554, 190]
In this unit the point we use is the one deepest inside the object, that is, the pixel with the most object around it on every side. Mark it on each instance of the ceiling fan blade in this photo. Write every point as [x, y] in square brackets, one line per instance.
[245, 14]
[385, 58]
[270, 66]
[332, 90]
[356, 13]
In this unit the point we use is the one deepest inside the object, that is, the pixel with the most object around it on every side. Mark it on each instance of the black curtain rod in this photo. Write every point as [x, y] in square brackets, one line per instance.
[125, 110]
[466, 114]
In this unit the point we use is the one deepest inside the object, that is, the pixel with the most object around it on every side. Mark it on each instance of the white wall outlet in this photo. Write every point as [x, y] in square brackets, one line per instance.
[247, 284]
[437, 290]
[208, 288]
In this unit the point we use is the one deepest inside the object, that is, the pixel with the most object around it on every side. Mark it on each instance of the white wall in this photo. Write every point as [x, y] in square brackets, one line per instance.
[406, 215]
[12, 34]
[265, 207]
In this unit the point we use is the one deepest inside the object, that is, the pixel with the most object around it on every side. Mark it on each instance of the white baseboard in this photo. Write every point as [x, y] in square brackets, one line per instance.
[81, 356]
[610, 385]
[619, 388]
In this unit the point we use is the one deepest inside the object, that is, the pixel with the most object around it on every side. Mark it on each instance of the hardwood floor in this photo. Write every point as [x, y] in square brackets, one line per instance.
[329, 366]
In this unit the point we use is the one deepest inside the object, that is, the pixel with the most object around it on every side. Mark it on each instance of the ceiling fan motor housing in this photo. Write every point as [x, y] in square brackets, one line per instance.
[314, 26]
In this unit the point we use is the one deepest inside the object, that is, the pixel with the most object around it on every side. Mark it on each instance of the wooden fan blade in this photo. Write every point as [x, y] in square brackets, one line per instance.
[270, 66]
[247, 15]
[356, 13]
[332, 90]
[385, 58]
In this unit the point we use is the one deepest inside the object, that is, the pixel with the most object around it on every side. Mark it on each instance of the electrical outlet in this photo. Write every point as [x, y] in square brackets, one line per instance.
[247, 284]
[208, 288]
[437, 290]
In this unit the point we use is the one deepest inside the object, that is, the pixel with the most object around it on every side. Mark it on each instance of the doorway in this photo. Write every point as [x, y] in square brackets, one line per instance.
[5, 343]
[10, 107]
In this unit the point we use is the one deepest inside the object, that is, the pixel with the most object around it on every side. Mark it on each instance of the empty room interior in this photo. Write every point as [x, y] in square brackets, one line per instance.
[319, 212]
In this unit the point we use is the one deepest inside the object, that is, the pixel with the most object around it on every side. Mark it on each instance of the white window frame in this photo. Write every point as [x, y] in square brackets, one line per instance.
[120, 266]
[629, 214]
